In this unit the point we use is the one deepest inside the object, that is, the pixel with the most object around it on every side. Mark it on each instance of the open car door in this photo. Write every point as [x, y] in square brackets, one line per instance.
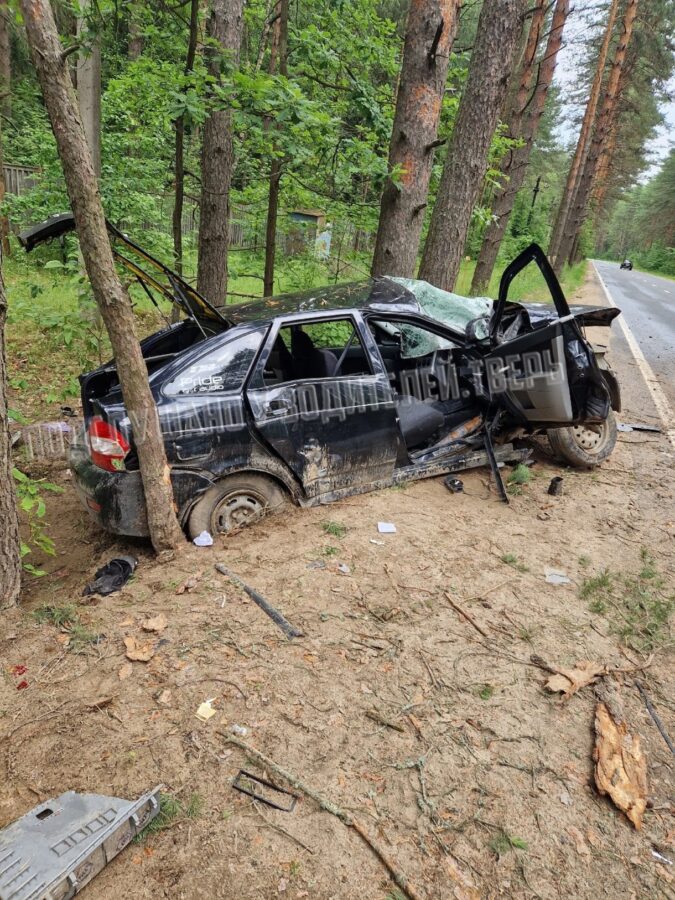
[543, 371]
[153, 276]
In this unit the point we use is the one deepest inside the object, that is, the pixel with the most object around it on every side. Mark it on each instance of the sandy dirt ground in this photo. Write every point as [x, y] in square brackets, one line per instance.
[438, 736]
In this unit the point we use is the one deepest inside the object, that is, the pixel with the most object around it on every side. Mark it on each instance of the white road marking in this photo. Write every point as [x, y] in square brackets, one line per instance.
[661, 403]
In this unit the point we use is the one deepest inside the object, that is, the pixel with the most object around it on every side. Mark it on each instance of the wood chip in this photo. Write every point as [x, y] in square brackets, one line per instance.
[156, 623]
[137, 651]
[620, 764]
[125, 671]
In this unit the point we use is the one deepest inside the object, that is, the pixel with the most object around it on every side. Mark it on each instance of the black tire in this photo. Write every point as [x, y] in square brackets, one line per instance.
[235, 502]
[582, 447]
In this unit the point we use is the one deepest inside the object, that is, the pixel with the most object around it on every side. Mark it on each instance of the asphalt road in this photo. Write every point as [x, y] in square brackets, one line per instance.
[648, 306]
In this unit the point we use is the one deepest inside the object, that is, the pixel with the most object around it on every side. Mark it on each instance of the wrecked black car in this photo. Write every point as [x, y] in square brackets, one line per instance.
[323, 394]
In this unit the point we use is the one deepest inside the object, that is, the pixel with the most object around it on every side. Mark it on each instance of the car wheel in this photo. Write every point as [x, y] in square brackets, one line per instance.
[584, 446]
[235, 502]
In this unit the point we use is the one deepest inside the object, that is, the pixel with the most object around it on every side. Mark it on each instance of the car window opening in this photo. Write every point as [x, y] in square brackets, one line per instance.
[330, 349]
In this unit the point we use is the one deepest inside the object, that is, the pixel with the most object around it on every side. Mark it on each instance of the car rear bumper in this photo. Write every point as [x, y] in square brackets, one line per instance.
[114, 500]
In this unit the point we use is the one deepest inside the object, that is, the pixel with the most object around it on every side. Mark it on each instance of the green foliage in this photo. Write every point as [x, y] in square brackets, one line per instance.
[512, 560]
[504, 843]
[172, 810]
[29, 496]
[336, 529]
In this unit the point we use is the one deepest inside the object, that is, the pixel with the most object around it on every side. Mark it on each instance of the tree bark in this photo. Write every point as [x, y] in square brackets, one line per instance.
[179, 159]
[112, 299]
[225, 29]
[525, 73]
[583, 142]
[279, 50]
[579, 209]
[5, 108]
[10, 554]
[136, 41]
[89, 91]
[519, 159]
[499, 25]
[430, 33]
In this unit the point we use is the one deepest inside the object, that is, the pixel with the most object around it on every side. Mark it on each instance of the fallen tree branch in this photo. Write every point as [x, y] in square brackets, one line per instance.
[655, 716]
[280, 828]
[330, 807]
[465, 615]
[289, 630]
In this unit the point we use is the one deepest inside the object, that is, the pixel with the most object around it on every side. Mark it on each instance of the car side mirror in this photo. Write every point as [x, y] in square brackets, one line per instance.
[478, 329]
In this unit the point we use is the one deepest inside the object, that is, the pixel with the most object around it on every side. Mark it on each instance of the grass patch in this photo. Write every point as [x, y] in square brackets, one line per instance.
[504, 842]
[59, 616]
[512, 560]
[336, 529]
[171, 811]
[330, 550]
[486, 691]
[637, 605]
[517, 478]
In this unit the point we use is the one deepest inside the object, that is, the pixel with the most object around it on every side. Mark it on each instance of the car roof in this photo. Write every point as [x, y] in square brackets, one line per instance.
[376, 294]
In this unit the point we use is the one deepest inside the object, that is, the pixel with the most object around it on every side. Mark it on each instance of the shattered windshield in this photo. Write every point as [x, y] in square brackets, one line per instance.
[451, 309]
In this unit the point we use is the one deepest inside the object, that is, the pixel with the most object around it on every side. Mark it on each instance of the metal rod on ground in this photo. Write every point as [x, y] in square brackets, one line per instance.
[253, 754]
[289, 630]
[655, 716]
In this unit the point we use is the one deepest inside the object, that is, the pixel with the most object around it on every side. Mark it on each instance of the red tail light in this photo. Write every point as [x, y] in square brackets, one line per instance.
[108, 446]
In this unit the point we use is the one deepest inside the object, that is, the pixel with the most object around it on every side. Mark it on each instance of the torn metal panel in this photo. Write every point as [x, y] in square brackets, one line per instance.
[53, 851]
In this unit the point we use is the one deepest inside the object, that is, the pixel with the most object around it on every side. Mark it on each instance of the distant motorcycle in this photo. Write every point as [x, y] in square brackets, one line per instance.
[626, 264]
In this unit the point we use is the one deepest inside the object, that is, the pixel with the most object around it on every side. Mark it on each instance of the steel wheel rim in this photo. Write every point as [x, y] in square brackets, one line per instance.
[590, 441]
[238, 510]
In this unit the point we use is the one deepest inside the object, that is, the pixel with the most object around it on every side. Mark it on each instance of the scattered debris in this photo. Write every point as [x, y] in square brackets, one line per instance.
[317, 564]
[555, 576]
[454, 485]
[661, 858]
[112, 577]
[289, 630]
[61, 845]
[633, 426]
[375, 541]
[327, 805]
[241, 730]
[247, 783]
[620, 765]
[569, 681]
[203, 540]
[555, 488]
[655, 717]
[383, 720]
[157, 623]
[139, 652]
[386, 528]
[205, 711]
[343, 569]
[164, 697]
[189, 584]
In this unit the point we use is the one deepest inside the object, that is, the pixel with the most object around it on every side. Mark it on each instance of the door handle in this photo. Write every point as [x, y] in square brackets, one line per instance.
[278, 406]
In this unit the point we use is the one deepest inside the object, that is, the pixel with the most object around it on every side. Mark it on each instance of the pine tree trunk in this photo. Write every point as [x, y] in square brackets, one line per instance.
[135, 44]
[430, 33]
[112, 299]
[583, 143]
[5, 108]
[10, 557]
[579, 209]
[179, 157]
[225, 28]
[519, 159]
[279, 51]
[89, 93]
[499, 25]
[525, 72]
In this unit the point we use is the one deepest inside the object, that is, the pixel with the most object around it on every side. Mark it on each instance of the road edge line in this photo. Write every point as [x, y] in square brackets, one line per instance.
[661, 403]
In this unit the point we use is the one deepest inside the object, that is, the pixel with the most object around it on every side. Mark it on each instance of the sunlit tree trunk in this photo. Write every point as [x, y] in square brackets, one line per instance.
[601, 133]
[583, 144]
[430, 33]
[492, 60]
[519, 159]
[5, 108]
[225, 30]
[111, 297]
